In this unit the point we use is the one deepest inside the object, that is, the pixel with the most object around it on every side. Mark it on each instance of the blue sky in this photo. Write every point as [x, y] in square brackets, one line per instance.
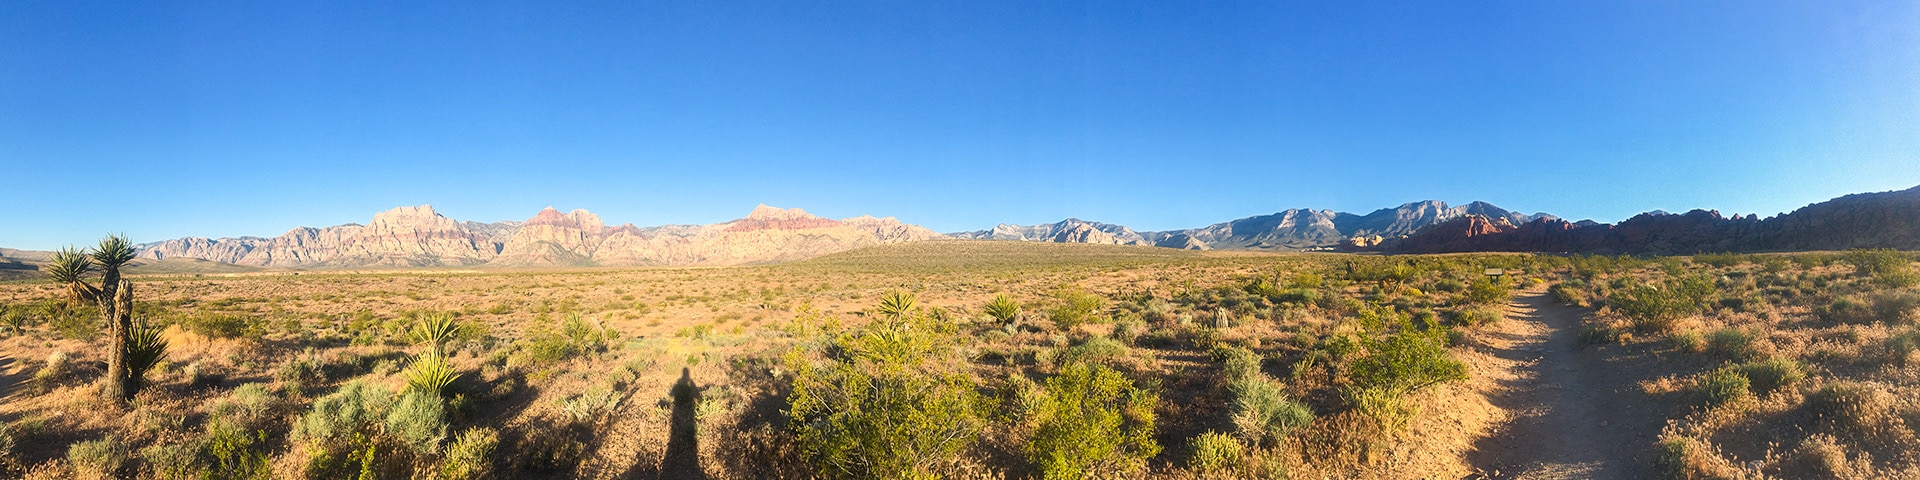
[163, 120]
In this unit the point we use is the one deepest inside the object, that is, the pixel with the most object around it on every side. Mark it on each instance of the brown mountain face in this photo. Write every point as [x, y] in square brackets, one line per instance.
[417, 236]
[1868, 220]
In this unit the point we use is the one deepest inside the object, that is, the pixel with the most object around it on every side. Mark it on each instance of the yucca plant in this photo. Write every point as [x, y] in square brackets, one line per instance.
[1003, 308]
[70, 267]
[145, 349]
[431, 373]
[114, 296]
[896, 305]
[435, 330]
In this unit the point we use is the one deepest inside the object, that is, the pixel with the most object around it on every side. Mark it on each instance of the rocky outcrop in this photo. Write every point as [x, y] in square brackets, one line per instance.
[1871, 220]
[405, 236]
[1072, 230]
[417, 236]
[1296, 229]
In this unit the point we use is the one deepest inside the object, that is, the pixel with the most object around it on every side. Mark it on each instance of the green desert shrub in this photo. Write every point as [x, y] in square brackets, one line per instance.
[1845, 310]
[1215, 452]
[470, 455]
[1236, 362]
[1406, 361]
[1723, 386]
[1487, 291]
[220, 325]
[1896, 307]
[342, 432]
[1480, 315]
[1771, 375]
[1655, 308]
[883, 402]
[235, 453]
[419, 421]
[1876, 262]
[1263, 414]
[248, 407]
[1095, 424]
[1901, 345]
[1733, 344]
[1076, 307]
[1688, 341]
[173, 461]
[1094, 350]
[105, 456]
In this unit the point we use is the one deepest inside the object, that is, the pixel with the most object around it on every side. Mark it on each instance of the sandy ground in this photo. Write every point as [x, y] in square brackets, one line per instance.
[1576, 411]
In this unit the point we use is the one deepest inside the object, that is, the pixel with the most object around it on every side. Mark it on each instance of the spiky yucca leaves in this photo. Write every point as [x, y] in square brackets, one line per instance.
[1003, 308]
[113, 252]
[145, 349]
[70, 267]
[896, 304]
[435, 330]
[431, 373]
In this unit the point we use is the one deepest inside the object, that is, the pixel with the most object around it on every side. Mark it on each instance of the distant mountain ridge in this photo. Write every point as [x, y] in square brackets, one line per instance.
[1863, 220]
[418, 236]
[1293, 229]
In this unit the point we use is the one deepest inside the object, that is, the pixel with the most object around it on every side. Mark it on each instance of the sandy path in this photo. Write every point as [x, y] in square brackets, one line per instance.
[1577, 410]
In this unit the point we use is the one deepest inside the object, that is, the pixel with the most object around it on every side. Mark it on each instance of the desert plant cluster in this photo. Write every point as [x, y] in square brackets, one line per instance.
[933, 360]
[1783, 365]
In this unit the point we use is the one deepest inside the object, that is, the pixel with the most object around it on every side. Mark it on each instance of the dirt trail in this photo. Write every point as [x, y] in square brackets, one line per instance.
[1578, 411]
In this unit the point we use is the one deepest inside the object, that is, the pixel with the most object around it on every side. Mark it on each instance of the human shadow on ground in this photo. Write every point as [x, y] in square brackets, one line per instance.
[682, 460]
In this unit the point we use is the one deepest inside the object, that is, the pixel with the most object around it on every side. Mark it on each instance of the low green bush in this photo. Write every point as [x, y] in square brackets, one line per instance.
[470, 455]
[1723, 386]
[1771, 375]
[1263, 414]
[1215, 452]
[1101, 350]
[1095, 424]
[1733, 344]
[882, 401]
[1075, 308]
[1236, 362]
[1896, 307]
[105, 456]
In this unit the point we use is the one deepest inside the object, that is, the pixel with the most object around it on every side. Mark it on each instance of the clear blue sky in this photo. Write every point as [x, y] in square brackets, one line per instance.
[249, 118]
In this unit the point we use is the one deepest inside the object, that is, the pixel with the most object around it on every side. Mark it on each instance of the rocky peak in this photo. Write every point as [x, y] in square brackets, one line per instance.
[767, 212]
[766, 217]
[414, 219]
[578, 218]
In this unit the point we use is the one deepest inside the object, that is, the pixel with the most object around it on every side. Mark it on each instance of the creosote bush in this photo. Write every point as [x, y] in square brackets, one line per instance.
[1724, 386]
[1215, 452]
[883, 402]
[1771, 375]
[1095, 423]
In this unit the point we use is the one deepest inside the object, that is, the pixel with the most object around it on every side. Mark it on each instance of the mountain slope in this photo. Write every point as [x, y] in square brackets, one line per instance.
[1867, 220]
[418, 236]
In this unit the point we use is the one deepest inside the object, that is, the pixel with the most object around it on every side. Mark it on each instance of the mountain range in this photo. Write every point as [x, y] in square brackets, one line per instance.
[418, 236]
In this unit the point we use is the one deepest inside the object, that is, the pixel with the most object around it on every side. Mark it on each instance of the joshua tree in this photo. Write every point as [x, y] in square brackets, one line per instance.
[115, 298]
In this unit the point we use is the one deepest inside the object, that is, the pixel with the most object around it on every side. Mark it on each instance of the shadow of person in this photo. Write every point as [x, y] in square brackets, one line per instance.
[682, 460]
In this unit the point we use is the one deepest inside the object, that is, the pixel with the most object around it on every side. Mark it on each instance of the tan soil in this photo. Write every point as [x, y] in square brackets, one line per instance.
[1576, 411]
